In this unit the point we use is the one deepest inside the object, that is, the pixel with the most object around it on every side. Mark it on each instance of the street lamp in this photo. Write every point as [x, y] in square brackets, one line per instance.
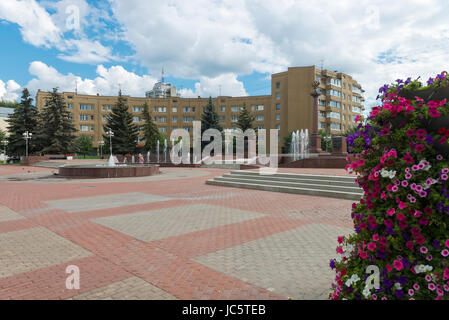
[27, 135]
[5, 142]
[101, 144]
[110, 134]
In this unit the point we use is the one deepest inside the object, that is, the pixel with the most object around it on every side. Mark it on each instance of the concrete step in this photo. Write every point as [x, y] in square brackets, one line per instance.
[309, 184]
[249, 178]
[285, 189]
[296, 175]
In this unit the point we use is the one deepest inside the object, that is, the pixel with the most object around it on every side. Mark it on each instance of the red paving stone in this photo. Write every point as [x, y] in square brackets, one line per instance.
[164, 263]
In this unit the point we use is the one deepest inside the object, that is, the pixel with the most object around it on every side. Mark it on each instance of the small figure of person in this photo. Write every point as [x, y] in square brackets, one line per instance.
[141, 159]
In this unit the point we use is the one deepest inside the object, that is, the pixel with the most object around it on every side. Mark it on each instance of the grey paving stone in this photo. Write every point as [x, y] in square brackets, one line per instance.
[7, 214]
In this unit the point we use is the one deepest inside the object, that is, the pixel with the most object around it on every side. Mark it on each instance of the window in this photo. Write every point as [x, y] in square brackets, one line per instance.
[92, 107]
[334, 115]
[186, 109]
[335, 126]
[356, 109]
[235, 109]
[109, 108]
[92, 128]
[155, 119]
[334, 82]
[84, 128]
[278, 106]
[136, 119]
[187, 129]
[260, 127]
[103, 108]
[162, 129]
[70, 116]
[84, 117]
[186, 119]
[222, 119]
[334, 93]
[356, 99]
[278, 126]
[69, 97]
[92, 118]
[155, 109]
[322, 125]
[193, 109]
[174, 119]
[84, 107]
[234, 119]
[259, 108]
[174, 109]
[278, 117]
[104, 118]
[223, 109]
[278, 85]
[278, 96]
[259, 118]
[137, 109]
[162, 109]
[335, 104]
[70, 106]
[322, 114]
[322, 102]
[163, 119]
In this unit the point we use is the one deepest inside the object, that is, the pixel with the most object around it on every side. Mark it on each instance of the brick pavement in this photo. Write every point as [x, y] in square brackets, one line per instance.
[163, 237]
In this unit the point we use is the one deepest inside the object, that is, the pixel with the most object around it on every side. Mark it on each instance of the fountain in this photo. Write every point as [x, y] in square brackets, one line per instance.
[148, 157]
[111, 161]
[157, 151]
[132, 159]
[165, 150]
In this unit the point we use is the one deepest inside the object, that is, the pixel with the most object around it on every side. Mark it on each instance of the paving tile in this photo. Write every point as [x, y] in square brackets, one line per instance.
[7, 214]
[34, 248]
[132, 288]
[175, 221]
[74, 205]
[293, 263]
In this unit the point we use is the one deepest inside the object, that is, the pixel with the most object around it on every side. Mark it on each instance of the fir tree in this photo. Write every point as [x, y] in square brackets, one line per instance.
[55, 133]
[209, 120]
[245, 119]
[23, 119]
[120, 122]
[151, 133]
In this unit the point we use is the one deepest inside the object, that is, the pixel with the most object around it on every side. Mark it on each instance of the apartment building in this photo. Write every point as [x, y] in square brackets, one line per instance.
[288, 108]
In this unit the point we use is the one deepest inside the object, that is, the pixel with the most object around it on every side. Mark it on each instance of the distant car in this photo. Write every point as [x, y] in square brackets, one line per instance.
[14, 159]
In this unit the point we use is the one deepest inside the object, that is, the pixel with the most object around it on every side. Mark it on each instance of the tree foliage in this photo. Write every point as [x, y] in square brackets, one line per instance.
[120, 121]
[84, 144]
[24, 118]
[151, 133]
[245, 119]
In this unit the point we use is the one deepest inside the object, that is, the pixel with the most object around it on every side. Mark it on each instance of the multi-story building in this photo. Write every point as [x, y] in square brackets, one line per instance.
[288, 108]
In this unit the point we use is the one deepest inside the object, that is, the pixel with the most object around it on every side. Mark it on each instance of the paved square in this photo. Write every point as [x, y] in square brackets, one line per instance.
[175, 221]
[104, 202]
[7, 214]
[293, 263]
[35, 248]
[130, 289]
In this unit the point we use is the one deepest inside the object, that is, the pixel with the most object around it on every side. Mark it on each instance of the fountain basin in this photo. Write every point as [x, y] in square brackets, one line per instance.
[104, 171]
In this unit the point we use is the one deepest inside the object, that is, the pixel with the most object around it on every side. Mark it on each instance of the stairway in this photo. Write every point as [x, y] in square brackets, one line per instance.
[314, 185]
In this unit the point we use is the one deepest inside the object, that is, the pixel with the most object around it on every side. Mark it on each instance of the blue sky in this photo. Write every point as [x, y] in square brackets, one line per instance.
[206, 45]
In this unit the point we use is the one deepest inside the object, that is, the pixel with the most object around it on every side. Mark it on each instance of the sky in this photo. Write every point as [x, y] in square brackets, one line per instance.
[210, 46]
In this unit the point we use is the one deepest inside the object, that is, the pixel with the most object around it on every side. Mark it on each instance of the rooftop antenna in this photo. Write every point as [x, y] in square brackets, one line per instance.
[322, 62]
[219, 90]
[162, 78]
[76, 86]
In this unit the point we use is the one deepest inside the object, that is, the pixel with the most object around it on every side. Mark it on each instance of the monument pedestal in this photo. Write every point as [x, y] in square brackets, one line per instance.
[315, 144]
[339, 146]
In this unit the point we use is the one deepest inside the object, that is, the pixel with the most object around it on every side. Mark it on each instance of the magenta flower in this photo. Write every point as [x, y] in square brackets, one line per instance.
[445, 253]
[431, 287]
[416, 286]
[423, 250]
[411, 292]
[398, 265]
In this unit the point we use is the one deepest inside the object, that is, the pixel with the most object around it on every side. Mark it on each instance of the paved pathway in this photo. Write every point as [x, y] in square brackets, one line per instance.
[163, 237]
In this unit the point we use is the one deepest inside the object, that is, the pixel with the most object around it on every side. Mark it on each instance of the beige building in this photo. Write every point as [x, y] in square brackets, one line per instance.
[288, 108]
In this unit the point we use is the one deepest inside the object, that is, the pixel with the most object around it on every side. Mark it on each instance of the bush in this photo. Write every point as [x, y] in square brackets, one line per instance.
[401, 158]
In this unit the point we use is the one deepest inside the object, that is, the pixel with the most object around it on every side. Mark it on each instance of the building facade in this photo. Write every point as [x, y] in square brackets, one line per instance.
[288, 108]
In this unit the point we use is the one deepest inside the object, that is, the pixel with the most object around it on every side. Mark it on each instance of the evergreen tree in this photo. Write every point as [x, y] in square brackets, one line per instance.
[120, 121]
[23, 119]
[209, 120]
[83, 144]
[245, 119]
[55, 133]
[151, 133]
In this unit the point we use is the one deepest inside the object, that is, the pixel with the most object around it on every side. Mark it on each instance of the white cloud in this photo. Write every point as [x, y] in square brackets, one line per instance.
[375, 41]
[226, 83]
[106, 83]
[9, 91]
[36, 25]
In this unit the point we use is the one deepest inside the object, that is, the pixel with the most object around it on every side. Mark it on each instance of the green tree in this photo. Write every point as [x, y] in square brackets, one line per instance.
[245, 119]
[8, 104]
[151, 133]
[287, 143]
[55, 133]
[326, 141]
[24, 118]
[84, 144]
[120, 121]
[209, 120]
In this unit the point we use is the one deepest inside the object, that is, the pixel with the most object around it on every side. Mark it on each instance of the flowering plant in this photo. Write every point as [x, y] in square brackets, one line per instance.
[401, 161]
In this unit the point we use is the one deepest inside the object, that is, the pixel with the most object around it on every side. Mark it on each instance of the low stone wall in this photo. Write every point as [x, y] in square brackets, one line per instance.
[326, 162]
[26, 161]
[108, 172]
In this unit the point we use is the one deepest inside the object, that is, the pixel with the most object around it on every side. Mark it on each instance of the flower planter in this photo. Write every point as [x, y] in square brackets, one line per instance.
[440, 93]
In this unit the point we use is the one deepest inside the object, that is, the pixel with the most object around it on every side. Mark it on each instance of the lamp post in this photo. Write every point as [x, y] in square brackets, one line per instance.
[101, 144]
[110, 134]
[316, 137]
[27, 135]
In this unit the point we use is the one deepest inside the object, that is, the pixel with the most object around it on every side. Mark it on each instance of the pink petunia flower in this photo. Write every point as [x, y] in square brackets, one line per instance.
[398, 265]
[445, 253]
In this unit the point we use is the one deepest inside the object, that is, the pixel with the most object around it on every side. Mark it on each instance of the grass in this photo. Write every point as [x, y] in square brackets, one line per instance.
[81, 157]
